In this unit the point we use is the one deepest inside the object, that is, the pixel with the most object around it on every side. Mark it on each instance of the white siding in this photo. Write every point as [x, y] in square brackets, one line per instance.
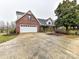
[49, 22]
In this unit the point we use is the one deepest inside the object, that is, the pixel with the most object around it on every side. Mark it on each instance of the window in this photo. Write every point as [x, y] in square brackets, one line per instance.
[29, 17]
[49, 23]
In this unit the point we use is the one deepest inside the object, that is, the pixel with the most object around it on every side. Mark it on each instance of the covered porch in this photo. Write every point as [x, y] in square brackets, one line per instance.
[46, 28]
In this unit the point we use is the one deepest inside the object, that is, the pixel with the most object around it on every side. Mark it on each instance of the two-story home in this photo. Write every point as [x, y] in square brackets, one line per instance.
[27, 22]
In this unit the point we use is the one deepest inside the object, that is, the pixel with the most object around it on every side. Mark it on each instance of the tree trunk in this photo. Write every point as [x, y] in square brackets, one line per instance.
[67, 30]
[73, 27]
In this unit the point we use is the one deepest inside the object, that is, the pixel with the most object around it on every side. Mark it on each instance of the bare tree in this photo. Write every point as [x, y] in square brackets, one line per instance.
[13, 25]
[7, 28]
[2, 26]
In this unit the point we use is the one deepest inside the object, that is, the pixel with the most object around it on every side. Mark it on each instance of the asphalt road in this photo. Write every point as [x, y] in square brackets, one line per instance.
[39, 46]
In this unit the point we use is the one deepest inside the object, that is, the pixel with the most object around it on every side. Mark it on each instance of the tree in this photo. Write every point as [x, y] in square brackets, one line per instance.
[7, 28]
[2, 26]
[13, 25]
[66, 14]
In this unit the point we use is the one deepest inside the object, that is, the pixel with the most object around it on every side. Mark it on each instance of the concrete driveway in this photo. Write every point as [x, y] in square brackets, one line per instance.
[39, 46]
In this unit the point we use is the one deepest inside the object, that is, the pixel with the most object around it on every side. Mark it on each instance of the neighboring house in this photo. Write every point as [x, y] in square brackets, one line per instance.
[27, 22]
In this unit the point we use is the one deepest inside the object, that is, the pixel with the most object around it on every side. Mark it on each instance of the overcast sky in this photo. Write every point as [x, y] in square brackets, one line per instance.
[40, 8]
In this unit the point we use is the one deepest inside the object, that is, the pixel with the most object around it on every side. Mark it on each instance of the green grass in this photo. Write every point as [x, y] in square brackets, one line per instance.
[4, 38]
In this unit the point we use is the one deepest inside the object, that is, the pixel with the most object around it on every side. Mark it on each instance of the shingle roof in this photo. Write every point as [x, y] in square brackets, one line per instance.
[42, 21]
[18, 12]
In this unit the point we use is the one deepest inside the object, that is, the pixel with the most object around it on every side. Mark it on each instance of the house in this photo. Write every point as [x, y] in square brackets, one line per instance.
[27, 22]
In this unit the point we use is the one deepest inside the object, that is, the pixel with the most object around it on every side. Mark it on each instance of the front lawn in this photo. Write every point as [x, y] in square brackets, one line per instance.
[4, 38]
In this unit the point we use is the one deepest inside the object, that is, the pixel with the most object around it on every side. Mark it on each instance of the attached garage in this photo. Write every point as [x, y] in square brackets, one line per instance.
[27, 28]
[27, 23]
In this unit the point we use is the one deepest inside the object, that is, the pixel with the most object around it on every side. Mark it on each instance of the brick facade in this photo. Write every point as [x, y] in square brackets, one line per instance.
[26, 21]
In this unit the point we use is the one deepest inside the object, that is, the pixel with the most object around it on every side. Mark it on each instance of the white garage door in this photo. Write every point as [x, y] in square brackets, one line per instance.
[24, 29]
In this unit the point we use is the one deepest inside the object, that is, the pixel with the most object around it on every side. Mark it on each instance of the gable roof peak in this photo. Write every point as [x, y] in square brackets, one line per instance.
[49, 18]
[29, 12]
